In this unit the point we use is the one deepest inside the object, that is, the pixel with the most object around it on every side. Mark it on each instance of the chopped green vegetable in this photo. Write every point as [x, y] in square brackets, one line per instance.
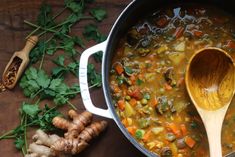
[147, 96]
[139, 82]
[139, 133]
[144, 122]
[128, 70]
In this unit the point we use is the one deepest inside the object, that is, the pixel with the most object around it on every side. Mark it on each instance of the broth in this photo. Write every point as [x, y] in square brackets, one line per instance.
[147, 79]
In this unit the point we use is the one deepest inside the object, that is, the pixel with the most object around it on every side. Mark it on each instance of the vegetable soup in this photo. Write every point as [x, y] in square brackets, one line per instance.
[147, 79]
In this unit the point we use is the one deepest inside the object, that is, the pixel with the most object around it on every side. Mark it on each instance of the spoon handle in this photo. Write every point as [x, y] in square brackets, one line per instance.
[213, 124]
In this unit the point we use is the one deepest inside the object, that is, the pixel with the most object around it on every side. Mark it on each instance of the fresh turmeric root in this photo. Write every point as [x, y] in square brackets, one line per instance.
[75, 146]
[80, 121]
[92, 131]
[76, 139]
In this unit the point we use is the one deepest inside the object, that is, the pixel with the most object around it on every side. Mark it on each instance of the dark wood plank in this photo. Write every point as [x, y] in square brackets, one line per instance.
[13, 31]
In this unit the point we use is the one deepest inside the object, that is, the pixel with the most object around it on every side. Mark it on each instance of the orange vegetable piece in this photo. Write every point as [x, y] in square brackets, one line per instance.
[178, 32]
[183, 129]
[167, 86]
[162, 22]
[119, 69]
[133, 102]
[189, 141]
[125, 122]
[133, 79]
[121, 105]
[135, 93]
[175, 129]
[230, 44]
[197, 33]
[147, 136]
[131, 130]
[155, 102]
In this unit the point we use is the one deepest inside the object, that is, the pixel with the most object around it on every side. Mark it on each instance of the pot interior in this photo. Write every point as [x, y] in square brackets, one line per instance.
[137, 10]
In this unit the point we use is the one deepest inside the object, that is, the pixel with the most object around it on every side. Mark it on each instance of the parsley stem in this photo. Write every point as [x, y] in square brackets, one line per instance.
[8, 137]
[25, 133]
[23, 151]
[45, 29]
[54, 27]
[71, 105]
[34, 31]
[37, 93]
[71, 93]
[6, 134]
[42, 60]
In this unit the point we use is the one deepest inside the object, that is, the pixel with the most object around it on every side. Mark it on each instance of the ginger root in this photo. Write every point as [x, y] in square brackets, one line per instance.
[41, 145]
[80, 121]
[42, 138]
[75, 140]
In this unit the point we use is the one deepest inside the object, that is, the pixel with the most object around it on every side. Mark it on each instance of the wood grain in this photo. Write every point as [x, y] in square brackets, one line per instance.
[13, 31]
[209, 80]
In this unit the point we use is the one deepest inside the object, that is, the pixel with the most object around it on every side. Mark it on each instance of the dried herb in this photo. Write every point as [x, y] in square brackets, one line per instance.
[9, 76]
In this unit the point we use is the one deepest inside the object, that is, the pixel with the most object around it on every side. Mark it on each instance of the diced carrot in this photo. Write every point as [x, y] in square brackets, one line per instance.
[116, 89]
[133, 79]
[167, 86]
[135, 93]
[121, 105]
[178, 32]
[125, 122]
[175, 129]
[119, 69]
[197, 33]
[230, 44]
[155, 102]
[147, 136]
[133, 102]
[183, 129]
[189, 141]
[162, 22]
[131, 130]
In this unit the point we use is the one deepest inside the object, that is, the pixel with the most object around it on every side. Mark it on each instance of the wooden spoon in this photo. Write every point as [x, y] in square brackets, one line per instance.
[18, 63]
[210, 83]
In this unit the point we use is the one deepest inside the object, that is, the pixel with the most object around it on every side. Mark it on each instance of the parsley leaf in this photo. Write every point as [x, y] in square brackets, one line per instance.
[94, 78]
[44, 18]
[19, 142]
[98, 56]
[98, 13]
[76, 7]
[30, 109]
[91, 33]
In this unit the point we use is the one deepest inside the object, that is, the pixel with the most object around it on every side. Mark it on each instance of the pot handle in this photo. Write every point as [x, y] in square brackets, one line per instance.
[84, 82]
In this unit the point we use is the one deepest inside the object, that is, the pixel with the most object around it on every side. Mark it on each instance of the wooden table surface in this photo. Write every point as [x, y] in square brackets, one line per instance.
[111, 143]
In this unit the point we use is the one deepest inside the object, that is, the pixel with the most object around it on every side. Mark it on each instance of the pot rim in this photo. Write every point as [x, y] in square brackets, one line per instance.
[105, 84]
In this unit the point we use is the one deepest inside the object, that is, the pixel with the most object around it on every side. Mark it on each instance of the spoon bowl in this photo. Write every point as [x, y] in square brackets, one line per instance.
[210, 84]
